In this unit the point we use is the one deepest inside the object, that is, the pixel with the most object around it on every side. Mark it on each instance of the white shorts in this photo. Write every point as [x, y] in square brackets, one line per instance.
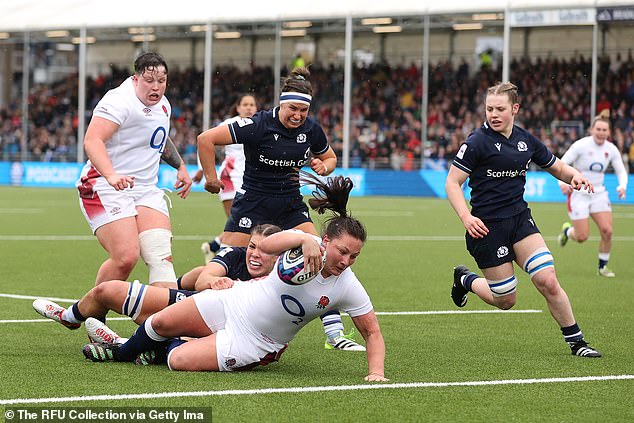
[582, 205]
[231, 173]
[236, 347]
[101, 203]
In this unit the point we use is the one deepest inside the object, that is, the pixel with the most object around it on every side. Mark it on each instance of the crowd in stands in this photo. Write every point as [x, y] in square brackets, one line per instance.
[385, 113]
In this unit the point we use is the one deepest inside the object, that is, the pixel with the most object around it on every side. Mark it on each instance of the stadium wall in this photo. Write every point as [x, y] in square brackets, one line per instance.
[540, 186]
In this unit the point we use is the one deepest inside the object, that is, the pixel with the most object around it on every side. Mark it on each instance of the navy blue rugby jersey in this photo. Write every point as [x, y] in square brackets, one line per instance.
[273, 152]
[497, 169]
[234, 260]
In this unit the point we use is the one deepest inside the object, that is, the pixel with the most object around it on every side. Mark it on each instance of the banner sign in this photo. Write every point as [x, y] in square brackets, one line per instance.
[559, 17]
[540, 186]
[615, 14]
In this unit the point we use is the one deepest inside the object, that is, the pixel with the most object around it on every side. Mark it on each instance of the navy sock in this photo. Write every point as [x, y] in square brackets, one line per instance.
[572, 334]
[215, 245]
[173, 343]
[602, 263]
[144, 339]
[467, 280]
[76, 313]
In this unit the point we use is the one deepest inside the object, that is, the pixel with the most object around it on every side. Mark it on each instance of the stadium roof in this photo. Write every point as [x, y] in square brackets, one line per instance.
[33, 15]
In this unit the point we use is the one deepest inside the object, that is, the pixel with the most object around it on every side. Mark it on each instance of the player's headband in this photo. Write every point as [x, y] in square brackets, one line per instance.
[293, 97]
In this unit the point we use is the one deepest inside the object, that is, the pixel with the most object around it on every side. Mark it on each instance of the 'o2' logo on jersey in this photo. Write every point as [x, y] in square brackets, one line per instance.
[293, 307]
[596, 167]
[157, 141]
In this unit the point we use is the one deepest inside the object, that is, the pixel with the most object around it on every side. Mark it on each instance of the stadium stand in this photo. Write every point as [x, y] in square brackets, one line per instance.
[385, 114]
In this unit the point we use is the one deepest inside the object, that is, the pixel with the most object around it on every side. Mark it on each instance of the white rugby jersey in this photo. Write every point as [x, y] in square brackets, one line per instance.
[236, 151]
[592, 161]
[274, 311]
[135, 148]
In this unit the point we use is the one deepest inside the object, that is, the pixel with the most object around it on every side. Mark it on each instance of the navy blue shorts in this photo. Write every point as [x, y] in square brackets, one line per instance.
[250, 209]
[497, 247]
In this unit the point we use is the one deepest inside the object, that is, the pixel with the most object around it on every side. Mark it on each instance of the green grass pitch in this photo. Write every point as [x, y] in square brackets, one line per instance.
[406, 266]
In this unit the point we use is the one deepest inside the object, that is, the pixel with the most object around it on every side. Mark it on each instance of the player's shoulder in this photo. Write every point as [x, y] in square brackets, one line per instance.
[310, 124]
[583, 142]
[117, 102]
[480, 134]
[230, 120]
[227, 254]
[611, 146]
[121, 95]
[258, 119]
[266, 115]
[518, 131]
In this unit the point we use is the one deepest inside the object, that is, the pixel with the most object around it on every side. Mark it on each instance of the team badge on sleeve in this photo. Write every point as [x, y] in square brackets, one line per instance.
[460, 153]
[244, 122]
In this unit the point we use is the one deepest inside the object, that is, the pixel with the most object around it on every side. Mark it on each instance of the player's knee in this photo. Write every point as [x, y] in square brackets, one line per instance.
[506, 302]
[100, 293]
[547, 284]
[581, 236]
[126, 259]
[160, 324]
[176, 360]
[606, 233]
[156, 251]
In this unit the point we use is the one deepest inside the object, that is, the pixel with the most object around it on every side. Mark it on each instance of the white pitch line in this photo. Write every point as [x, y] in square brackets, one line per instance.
[35, 297]
[417, 313]
[299, 390]
[21, 211]
[378, 313]
[49, 320]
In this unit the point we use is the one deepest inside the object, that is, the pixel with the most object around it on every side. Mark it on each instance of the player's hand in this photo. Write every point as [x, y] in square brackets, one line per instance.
[214, 186]
[621, 192]
[198, 176]
[318, 166]
[475, 227]
[183, 183]
[565, 189]
[312, 252]
[221, 283]
[375, 377]
[120, 182]
[579, 181]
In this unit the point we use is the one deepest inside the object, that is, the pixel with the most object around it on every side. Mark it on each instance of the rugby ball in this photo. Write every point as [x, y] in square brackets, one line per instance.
[290, 267]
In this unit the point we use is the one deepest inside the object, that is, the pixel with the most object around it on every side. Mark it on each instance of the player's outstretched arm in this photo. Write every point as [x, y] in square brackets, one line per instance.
[570, 175]
[368, 327]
